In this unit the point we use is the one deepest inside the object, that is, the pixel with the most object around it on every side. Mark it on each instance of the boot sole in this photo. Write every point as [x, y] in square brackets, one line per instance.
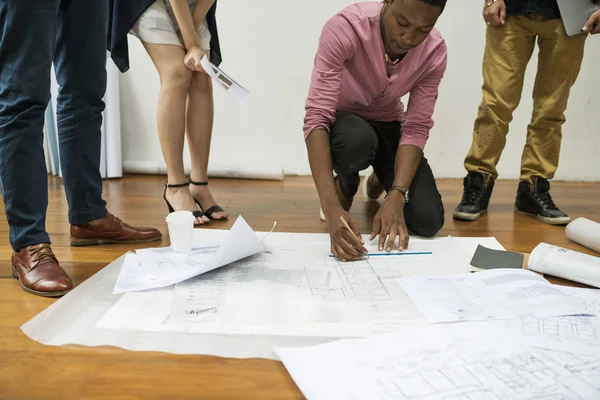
[547, 220]
[461, 216]
[35, 292]
[93, 242]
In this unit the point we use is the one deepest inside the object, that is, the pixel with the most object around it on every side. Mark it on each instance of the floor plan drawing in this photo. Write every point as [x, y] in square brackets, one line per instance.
[528, 374]
[576, 334]
[464, 361]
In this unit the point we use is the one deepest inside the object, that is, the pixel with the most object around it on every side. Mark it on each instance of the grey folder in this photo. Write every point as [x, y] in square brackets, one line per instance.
[485, 258]
[575, 14]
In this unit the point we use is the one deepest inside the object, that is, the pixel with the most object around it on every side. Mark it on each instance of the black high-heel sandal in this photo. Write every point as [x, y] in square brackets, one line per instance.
[211, 210]
[197, 213]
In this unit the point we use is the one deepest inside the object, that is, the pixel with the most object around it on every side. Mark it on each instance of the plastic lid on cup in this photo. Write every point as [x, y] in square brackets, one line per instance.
[180, 217]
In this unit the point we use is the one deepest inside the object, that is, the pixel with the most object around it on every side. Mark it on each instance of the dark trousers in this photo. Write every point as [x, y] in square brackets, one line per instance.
[357, 144]
[33, 35]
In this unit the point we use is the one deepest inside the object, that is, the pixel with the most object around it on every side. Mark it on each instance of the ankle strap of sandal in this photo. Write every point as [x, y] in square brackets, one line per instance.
[198, 183]
[174, 185]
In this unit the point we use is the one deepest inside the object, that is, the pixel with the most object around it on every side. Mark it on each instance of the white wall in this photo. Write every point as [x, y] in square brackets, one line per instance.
[269, 46]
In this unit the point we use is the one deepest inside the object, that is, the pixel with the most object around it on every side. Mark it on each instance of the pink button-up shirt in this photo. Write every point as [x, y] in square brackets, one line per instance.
[350, 74]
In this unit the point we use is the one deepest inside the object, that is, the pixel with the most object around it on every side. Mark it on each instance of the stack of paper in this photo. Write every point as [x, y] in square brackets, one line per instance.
[490, 295]
[160, 267]
[535, 340]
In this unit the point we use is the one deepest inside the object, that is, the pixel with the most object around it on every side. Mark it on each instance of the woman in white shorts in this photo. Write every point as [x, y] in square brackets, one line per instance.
[176, 36]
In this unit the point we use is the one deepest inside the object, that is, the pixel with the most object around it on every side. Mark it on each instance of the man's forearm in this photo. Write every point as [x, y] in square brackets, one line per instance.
[200, 10]
[319, 157]
[408, 158]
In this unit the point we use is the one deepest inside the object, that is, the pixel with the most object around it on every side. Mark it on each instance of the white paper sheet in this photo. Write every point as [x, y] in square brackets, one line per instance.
[160, 267]
[278, 293]
[85, 315]
[590, 298]
[566, 264]
[150, 311]
[224, 81]
[441, 362]
[488, 295]
[572, 334]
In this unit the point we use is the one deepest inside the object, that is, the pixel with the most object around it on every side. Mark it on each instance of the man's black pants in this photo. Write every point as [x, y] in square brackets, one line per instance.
[357, 144]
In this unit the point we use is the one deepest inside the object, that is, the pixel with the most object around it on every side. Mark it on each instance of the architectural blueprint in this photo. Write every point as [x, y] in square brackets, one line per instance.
[489, 295]
[590, 298]
[283, 292]
[573, 334]
[466, 361]
[292, 266]
[154, 268]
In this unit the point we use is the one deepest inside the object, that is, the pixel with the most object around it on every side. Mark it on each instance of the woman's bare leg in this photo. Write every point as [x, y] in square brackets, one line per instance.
[175, 80]
[199, 131]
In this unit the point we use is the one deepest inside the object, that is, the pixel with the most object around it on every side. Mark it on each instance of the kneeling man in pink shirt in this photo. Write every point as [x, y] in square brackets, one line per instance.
[369, 56]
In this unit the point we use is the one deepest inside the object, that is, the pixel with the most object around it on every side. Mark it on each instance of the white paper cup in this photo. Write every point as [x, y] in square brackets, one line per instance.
[181, 230]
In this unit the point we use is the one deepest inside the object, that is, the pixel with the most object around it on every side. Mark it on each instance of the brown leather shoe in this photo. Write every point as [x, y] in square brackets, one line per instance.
[372, 188]
[39, 272]
[111, 229]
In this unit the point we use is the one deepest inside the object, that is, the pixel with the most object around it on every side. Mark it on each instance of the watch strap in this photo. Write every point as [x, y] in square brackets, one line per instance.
[400, 189]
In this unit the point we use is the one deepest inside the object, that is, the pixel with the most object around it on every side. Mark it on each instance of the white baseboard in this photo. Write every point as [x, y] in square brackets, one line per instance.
[215, 171]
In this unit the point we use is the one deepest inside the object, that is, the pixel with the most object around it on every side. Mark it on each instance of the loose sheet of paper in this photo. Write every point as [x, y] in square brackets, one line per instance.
[488, 295]
[571, 334]
[566, 264]
[160, 267]
[590, 298]
[441, 362]
[224, 81]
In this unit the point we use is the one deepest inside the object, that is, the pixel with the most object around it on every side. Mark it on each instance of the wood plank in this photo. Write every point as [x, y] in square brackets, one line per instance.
[30, 370]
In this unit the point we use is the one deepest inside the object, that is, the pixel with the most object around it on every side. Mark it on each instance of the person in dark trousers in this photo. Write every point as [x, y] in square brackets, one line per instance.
[34, 34]
[513, 29]
[369, 56]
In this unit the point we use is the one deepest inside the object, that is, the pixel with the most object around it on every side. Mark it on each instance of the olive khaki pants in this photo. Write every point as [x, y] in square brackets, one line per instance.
[507, 53]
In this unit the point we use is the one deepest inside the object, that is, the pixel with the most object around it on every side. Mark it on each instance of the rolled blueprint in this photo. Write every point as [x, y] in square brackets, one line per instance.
[566, 264]
[585, 232]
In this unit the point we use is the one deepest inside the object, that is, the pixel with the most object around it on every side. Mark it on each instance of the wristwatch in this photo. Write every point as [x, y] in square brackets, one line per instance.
[402, 190]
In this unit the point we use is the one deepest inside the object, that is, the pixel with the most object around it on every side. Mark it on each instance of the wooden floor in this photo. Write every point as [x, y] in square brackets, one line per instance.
[29, 370]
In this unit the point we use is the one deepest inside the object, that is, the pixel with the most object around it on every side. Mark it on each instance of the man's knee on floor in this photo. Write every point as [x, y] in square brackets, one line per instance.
[353, 144]
[428, 221]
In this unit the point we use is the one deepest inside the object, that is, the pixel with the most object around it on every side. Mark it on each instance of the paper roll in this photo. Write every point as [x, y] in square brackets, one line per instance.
[566, 264]
[585, 232]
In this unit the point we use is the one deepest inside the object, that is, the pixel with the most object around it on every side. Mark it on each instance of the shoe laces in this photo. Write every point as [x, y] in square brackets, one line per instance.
[39, 253]
[545, 200]
[115, 219]
[472, 195]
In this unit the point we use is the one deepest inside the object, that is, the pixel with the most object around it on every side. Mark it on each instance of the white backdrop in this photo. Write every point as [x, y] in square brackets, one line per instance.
[110, 158]
[269, 47]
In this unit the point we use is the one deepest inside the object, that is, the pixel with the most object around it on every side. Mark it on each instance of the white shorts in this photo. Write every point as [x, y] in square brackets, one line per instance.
[156, 25]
